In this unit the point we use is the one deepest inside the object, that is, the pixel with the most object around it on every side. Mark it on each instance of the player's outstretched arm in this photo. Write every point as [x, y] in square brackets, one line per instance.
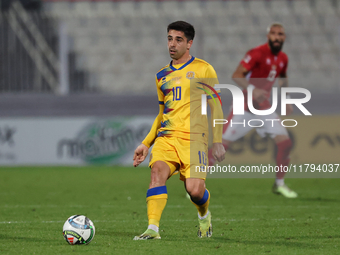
[140, 154]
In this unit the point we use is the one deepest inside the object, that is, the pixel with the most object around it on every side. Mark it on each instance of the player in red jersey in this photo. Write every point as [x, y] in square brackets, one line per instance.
[259, 69]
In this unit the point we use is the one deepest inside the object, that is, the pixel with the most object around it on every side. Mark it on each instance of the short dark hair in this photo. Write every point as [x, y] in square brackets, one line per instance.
[184, 27]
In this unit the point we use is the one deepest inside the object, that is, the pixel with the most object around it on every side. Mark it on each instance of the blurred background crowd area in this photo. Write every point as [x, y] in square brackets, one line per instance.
[116, 47]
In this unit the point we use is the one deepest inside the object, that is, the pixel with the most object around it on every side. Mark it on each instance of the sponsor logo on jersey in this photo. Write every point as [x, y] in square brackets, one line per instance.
[268, 61]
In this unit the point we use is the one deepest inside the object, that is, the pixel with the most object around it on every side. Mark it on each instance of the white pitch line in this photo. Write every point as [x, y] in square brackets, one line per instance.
[42, 206]
[190, 205]
[85, 206]
[178, 220]
[293, 206]
[169, 206]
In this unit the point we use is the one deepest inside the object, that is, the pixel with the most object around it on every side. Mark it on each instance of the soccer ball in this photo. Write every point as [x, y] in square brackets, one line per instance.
[78, 229]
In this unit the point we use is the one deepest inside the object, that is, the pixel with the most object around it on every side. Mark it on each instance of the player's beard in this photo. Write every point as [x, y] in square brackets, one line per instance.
[177, 55]
[273, 48]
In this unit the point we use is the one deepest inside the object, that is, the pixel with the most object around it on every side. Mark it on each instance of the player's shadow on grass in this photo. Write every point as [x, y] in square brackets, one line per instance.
[319, 199]
[27, 239]
[330, 237]
[293, 242]
[117, 233]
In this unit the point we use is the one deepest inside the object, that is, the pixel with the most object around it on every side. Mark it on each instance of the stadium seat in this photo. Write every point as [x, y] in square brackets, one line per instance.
[243, 24]
[331, 23]
[295, 77]
[83, 9]
[236, 7]
[322, 79]
[324, 7]
[105, 8]
[253, 40]
[216, 42]
[171, 8]
[236, 43]
[299, 42]
[302, 8]
[310, 24]
[193, 8]
[280, 8]
[334, 41]
[226, 63]
[214, 8]
[126, 8]
[264, 21]
[113, 38]
[337, 7]
[319, 42]
[149, 9]
[259, 8]
[61, 9]
[330, 60]
[290, 23]
[81, 44]
[309, 61]
[226, 25]
[110, 82]
[294, 62]
[97, 61]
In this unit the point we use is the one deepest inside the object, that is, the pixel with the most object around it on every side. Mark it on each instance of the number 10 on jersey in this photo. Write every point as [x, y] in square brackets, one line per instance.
[176, 93]
[202, 157]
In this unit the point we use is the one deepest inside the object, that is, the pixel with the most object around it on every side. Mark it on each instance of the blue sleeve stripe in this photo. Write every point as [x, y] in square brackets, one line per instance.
[204, 199]
[156, 191]
[209, 97]
[161, 102]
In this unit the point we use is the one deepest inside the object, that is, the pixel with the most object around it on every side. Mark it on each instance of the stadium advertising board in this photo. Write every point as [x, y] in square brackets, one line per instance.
[313, 142]
[81, 141]
[70, 141]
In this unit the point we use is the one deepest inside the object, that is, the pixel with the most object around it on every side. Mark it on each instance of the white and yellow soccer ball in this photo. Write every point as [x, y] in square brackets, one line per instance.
[78, 229]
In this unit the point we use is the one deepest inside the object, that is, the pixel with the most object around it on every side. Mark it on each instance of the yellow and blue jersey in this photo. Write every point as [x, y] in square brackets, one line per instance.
[180, 88]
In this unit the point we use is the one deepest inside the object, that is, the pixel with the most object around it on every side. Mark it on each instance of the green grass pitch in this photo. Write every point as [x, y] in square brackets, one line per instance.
[247, 217]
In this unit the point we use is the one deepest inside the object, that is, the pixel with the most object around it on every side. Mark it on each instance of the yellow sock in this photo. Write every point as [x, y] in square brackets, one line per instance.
[156, 199]
[203, 205]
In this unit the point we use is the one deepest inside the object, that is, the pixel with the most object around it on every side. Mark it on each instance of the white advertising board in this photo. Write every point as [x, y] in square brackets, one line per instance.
[71, 141]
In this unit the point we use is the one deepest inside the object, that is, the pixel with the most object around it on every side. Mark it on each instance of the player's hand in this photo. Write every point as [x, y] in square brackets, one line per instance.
[218, 151]
[140, 154]
[289, 109]
[260, 95]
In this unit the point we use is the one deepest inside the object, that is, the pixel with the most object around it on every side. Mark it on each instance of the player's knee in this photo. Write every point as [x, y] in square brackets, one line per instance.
[226, 144]
[159, 175]
[289, 144]
[195, 193]
[285, 145]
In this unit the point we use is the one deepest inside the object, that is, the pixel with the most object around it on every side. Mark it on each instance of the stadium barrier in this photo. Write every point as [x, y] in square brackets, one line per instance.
[315, 139]
[89, 140]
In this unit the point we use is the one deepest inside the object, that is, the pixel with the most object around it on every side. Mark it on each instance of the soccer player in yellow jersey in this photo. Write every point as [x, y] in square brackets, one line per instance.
[180, 131]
